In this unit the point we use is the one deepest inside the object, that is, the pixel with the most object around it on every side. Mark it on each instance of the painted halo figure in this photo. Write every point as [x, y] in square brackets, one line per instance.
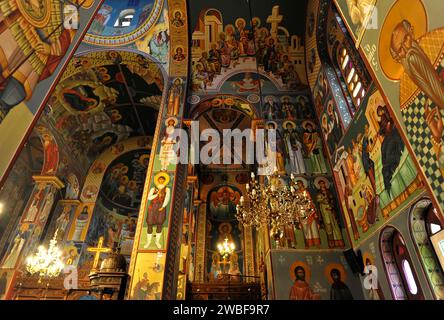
[159, 198]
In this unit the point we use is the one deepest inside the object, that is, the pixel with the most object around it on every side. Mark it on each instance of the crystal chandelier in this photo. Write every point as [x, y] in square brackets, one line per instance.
[46, 263]
[273, 203]
[226, 248]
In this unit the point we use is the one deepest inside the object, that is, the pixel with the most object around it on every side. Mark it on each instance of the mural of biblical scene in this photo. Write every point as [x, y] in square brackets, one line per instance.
[34, 46]
[90, 110]
[5, 281]
[298, 146]
[222, 224]
[322, 228]
[331, 126]
[311, 46]
[17, 247]
[38, 22]
[374, 170]
[80, 223]
[311, 276]
[168, 155]
[117, 207]
[155, 226]
[357, 15]
[223, 48]
[60, 221]
[122, 22]
[410, 73]
[148, 276]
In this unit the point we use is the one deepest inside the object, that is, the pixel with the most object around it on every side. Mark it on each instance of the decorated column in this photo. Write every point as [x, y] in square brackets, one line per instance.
[156, 252]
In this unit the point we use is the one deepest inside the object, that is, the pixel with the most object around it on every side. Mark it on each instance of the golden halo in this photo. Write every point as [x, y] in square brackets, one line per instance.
[293, 125]
[164, 175]
[173, 119]
[304, 124]
[240, 20]
[367, 255]
[319, 179]
[225, 224]
[274, 123]
[337, 266]
[258, 20]
[287, 97]
[410, 10]
[303, 265]
[142, 159]
[303, 180]
[229, 26]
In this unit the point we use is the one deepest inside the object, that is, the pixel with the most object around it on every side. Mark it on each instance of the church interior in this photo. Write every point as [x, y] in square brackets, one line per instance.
[95, 206]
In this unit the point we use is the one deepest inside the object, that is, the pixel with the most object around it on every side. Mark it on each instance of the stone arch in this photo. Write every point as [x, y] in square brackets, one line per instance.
[424, 247]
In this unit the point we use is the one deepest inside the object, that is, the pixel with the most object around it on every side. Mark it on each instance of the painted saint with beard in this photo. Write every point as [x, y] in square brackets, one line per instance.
[406, 50]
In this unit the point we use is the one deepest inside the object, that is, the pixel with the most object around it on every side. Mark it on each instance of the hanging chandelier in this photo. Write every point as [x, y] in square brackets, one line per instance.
[46, 263]
[273, 203]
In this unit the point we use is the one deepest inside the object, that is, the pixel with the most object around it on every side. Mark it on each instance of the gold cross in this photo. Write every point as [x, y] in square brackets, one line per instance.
[97, 251]
[274, 19]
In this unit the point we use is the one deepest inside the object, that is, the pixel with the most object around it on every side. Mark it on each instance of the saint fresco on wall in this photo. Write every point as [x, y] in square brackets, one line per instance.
[222, 224]
[311, 276]
[237, 45]
[373, 168]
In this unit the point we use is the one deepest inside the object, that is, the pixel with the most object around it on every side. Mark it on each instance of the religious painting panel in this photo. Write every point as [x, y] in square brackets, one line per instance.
[299, 148]
[6, 277]
[312, 276]
[410, 73]
[148, 276]
[155, 226]
[357, 15]
[222, 225]
[321, 228]
[226, 45]
[374, 170]
[35, 45]
[18, 246]
[80, 223]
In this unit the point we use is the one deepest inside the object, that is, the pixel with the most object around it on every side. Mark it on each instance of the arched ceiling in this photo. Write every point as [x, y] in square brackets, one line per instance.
[104, 98]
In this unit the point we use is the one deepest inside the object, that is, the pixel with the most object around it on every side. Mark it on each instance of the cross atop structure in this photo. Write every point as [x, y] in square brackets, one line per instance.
[275, 19]
[97, 251]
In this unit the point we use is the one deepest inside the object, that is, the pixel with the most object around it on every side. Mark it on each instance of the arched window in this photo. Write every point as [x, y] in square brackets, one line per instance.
[351, 77]
[425, 223]
[350, 69]
[404, 264]
[398, 265]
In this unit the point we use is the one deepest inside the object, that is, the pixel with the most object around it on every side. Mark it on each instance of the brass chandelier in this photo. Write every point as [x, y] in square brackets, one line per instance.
[274, 203]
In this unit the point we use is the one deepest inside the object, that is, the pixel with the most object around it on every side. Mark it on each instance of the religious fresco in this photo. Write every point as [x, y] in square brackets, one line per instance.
[158, 208]
[155, 225]
[314, 276]
[374, 169]
[6, 277]
[409, 74]
[222, 224]
[117, 207]
[94, 85]
[313, 61]
[48, 42]
[148, 276]
[357, 15]
[324, 228]
[35, 45]
[238, 47]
